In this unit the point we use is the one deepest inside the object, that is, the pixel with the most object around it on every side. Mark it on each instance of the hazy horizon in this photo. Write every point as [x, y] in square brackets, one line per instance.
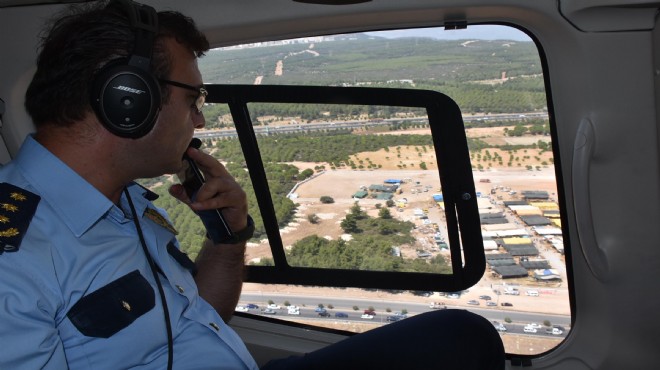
[480, 32]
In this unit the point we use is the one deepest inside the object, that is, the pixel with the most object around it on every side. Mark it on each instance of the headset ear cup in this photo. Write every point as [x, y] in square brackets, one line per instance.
[126, 99]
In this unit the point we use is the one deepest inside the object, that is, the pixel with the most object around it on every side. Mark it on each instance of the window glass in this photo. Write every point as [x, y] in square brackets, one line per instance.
[365, 191]
[324, 175]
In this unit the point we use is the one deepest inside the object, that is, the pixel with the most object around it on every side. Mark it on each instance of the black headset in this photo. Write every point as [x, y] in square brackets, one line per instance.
[125, 95]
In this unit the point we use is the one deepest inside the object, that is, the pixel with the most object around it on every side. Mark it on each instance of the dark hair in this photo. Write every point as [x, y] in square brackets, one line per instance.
[76, 45]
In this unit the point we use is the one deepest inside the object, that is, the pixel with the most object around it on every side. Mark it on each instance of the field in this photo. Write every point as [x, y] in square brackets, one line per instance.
[341, 184]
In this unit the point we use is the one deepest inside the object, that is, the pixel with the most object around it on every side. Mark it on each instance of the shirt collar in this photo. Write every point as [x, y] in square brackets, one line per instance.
[77, 202]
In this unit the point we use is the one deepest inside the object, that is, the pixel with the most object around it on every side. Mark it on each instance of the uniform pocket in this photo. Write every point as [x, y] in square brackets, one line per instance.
[113, 307]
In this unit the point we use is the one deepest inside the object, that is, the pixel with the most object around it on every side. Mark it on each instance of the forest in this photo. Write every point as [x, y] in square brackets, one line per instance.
[481, 76]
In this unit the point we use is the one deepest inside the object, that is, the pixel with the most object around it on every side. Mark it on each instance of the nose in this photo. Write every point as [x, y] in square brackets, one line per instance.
[198, 119]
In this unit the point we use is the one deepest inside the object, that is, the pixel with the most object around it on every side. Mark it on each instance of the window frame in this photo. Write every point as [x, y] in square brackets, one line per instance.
[454, 167]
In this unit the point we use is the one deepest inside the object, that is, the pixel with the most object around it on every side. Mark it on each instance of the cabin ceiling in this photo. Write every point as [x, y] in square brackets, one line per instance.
[254, 20]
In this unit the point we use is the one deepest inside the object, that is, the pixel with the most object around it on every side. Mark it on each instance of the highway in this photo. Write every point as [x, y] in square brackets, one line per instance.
[308, 304]
[349, 125]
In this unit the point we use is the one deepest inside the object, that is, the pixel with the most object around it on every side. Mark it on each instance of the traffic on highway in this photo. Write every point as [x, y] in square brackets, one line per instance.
[384, 312]
[349, 125]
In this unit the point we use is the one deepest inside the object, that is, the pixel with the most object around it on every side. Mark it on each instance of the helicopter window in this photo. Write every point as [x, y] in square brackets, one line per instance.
[361, 192]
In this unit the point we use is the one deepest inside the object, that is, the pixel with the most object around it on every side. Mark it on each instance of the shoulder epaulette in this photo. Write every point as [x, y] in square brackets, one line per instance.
[17, 206]
[148, 194]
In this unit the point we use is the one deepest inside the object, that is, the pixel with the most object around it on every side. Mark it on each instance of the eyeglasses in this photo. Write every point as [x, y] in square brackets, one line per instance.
[199, 100]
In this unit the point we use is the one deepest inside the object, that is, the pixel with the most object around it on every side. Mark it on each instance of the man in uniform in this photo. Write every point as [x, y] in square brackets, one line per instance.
[91, 272]
[77, 287]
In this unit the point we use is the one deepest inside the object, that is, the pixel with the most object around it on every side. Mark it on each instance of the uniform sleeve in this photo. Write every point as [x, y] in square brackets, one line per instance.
[28, 332]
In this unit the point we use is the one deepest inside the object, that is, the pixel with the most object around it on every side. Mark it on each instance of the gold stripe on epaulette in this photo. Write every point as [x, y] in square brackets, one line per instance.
[156, 217]
[18, 196]
[12, 231]
[9, 207]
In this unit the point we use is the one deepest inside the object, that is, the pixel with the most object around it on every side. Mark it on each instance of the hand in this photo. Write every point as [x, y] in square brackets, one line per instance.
[219, 191]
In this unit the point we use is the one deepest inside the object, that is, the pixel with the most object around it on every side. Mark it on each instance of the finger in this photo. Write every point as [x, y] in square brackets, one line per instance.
[178, 192]
[220, 193]
[233, 205]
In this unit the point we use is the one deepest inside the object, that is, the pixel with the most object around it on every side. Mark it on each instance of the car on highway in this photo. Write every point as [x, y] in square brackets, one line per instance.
[370, 312]
[367, 316]
[341, 314]
[485, 297]
[319, 309]
[554, 331]
[242, 309]
[252, 306]
[473, 302]
[268, 311]
[506, 304]
[274, 306]
[293, 311]
[437, 305]
[491, 304]
[324, 314]
[393, 318]
[529, 329]
[423, 293]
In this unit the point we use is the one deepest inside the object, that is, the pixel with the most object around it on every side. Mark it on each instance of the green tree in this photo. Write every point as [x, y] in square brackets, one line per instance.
[357, 211]
[349, 224]
[384, 213]
[326, 199]
[313, 218]
[305, 174]
[385, 229]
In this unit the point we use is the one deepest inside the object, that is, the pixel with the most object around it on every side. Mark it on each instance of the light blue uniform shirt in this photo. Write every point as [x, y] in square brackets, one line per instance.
[77, 244]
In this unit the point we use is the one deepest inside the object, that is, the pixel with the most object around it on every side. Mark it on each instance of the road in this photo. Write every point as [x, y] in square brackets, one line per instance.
[348, 125]
[386, 308]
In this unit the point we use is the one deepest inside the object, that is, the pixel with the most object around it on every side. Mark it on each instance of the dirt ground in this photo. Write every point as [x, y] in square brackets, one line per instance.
[341, 184]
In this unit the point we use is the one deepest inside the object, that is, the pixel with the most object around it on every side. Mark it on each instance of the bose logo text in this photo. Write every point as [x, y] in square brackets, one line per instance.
[129, 89]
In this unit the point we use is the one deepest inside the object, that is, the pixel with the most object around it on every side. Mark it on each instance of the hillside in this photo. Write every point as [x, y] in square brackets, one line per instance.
[481, 76]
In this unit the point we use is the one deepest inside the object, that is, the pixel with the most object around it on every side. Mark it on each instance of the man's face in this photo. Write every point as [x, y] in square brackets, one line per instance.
[178, 117]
